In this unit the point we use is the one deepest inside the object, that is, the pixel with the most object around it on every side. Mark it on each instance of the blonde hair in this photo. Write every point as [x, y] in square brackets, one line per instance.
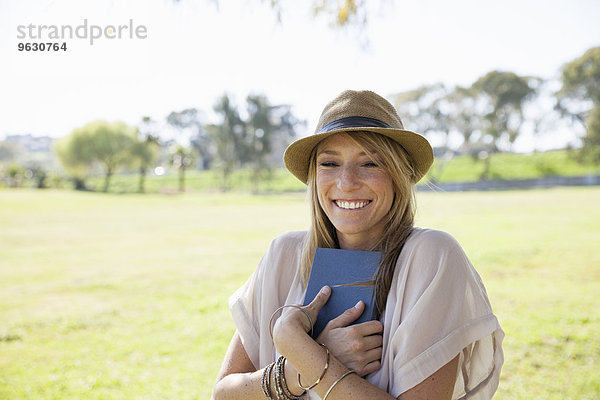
[399, 221]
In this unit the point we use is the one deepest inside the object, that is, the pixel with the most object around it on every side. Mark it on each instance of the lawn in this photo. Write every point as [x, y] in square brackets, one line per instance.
[106, 296]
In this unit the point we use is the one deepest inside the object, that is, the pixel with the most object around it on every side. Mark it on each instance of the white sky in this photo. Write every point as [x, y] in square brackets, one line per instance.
[194, 53]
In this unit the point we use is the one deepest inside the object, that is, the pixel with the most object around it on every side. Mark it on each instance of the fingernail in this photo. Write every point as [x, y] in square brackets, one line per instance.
[325, 290]
[357, 304]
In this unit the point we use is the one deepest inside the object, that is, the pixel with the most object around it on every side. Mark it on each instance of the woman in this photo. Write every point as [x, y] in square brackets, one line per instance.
[436, 337]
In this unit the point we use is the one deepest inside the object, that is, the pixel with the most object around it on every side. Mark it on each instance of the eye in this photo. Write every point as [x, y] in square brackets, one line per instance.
[328, 164]
[370, 164]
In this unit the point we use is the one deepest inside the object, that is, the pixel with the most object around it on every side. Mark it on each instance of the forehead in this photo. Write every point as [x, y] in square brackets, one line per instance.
[339, 142]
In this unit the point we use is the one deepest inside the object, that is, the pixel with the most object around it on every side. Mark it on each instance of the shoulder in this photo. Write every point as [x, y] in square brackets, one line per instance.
[288, 241]
[280, 266]
[431, 266]
[284, 249]
[430, 239]
[429, 253]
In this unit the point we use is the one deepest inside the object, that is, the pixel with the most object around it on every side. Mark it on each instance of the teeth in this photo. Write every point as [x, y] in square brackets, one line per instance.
[351, 205]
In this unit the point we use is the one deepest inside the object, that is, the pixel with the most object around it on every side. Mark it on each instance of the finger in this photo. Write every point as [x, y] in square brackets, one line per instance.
[368, 343]
[370, 368]
[347, 317]
[372, 342]
[319, 301]
[374, 354]
[370, 328]
[371, 361]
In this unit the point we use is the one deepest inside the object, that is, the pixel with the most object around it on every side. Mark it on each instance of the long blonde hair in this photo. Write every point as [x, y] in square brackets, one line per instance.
[400, 219]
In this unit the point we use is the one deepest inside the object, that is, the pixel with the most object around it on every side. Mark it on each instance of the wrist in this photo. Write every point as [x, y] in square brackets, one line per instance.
[291, 373]
[287, 336]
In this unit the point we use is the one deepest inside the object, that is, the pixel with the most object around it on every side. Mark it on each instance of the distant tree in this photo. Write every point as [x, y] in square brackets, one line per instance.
[111, 147]
[9, 151]
[230, 138]
[14, 175]
[286, 125]
[144, 150]
[40, 176]
[181, 158]
[580, 90]
[591, 141]
[266, 124]
[351, 16]
[260, 126]
[107, 144]
[542, 115]
[501, 97]
[340, 13]
[426, 110]
[464, 119]
[75, 155]
[189, 124]
[579, 97]
[148, 130]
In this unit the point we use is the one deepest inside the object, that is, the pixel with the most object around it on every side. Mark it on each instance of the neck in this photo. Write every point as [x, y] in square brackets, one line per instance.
[356, 242]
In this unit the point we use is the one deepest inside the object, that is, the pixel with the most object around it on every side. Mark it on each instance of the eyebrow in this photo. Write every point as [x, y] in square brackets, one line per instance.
[336, 153]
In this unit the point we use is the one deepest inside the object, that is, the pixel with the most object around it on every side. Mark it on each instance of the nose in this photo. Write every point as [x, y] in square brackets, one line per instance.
[348, 179]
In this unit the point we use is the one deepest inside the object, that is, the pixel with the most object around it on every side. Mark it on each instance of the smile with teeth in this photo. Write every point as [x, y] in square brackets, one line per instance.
[352, 205]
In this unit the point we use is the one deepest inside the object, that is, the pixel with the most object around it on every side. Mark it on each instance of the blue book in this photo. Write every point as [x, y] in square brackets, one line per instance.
[350, 275]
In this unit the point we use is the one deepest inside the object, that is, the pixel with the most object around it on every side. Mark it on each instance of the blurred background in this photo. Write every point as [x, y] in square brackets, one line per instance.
[224, 87]
[141, 174]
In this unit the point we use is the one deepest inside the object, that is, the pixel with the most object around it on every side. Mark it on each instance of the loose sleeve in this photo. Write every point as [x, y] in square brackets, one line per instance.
[274, 282]
[241, 305]
[437, 309]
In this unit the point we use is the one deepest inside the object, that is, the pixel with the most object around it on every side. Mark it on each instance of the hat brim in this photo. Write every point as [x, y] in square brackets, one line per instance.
[297, 155]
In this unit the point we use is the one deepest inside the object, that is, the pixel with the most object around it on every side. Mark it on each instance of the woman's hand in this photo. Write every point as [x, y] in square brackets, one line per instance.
[293, 320]
[358, 347]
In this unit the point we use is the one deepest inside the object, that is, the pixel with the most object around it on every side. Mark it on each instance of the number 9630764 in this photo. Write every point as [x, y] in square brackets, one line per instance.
[42, 46]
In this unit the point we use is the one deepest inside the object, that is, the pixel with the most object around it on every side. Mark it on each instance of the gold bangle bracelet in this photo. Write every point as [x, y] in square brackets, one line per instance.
[338, 380]
[322, 373]
[310, 321]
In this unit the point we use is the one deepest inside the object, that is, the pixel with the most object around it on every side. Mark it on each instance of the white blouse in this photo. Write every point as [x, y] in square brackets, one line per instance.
[437, 308]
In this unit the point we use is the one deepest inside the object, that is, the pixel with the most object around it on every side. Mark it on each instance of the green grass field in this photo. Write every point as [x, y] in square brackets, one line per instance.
[513, 166]
[125, 296]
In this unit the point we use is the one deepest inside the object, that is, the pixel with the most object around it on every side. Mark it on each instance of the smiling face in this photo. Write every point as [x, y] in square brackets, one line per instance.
[354, 191]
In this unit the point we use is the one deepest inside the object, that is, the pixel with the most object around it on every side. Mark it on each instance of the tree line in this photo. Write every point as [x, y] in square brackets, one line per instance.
[491, 114]
[233, 142]
[480, 120]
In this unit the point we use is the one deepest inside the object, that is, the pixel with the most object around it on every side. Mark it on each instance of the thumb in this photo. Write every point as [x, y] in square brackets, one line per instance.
[319, 301]
[347, 317]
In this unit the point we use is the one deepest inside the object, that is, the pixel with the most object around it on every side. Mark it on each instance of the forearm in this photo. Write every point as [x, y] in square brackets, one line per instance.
[238, 377]
[240, 386]
[307, 357]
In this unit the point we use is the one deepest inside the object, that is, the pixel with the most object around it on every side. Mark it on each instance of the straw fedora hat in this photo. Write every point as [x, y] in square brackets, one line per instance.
[353, 111]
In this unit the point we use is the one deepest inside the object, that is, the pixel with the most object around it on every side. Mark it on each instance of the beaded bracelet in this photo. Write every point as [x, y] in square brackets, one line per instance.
[281, 382]
[322, 373]
[282, 392]
[266, 381]
[278, 384]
